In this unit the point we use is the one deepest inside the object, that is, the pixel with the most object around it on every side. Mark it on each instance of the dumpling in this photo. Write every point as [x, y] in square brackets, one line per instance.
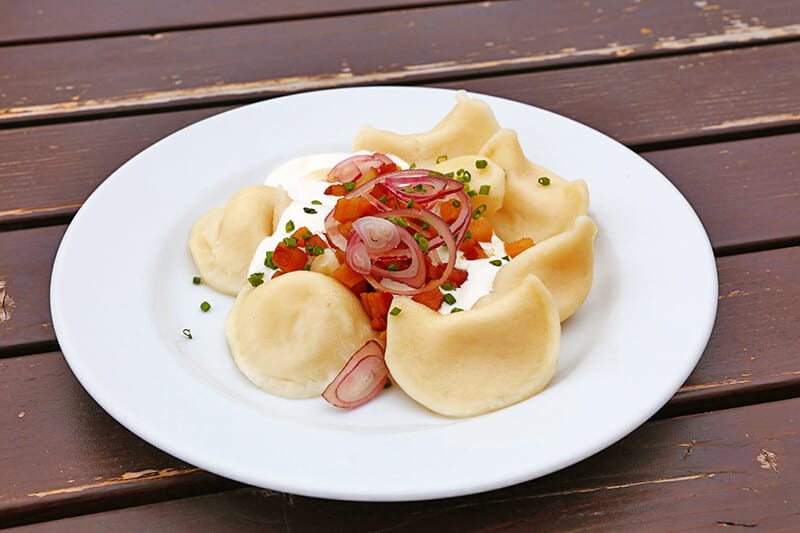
[492, 176]
[223, 241]
[564, 263]
[531, 209]
[291, 336]
[500, 352]
[462, 131]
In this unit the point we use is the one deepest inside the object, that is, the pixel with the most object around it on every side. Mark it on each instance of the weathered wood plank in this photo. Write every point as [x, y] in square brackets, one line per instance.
[59, 447]
[667, 99]
[39, 20]
[753, 347]
[226, 64]
[745, 191]
[736, 468]
[26, 263]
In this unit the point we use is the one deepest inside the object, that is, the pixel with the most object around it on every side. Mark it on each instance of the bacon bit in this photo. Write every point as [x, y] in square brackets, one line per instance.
[514, 248]
[376, 304]
[448, 211]
[350, 209]
[481, 229]
[472, 249]
[432, 298]
[350, 278]
[289, 259]
[337, 189]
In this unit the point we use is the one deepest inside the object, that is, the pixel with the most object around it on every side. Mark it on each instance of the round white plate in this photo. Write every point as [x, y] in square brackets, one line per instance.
[122, 293]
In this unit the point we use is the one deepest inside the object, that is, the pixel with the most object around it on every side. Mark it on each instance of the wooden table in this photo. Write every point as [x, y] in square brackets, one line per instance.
[708, 91]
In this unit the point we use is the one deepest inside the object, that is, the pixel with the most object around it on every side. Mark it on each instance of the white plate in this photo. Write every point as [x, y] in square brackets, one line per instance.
[122, 293]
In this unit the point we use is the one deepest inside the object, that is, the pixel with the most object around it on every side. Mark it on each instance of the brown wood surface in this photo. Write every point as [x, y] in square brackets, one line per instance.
[752, 349]
[230, 63]
[25, 21]
[736, 468]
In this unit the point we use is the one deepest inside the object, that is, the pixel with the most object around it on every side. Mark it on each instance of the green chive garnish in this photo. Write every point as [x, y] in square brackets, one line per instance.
[395, 311]
[412, 165]
[268, 261]
[196, 280]
[397, 220]
[456, 310]
[506, 258]
[468, 234]
[455, 203]
[307, 267]
[256, 279]
[544, 180]
[310, 210]
[349, 186]
[478, 213]
[290, 226]
[449, 298]
[383, 199]
[187, 333]
[316, 250]
[306, 235]
[205, 306]
[316, 202]
[392, 267]
[425, 225]
[291, 242]
[495, 262]
[472, 193]
[481, 163]
[449, 174]
[410, 203]
[447, 287]
[484, 189]
[441, 159]
[422, 240]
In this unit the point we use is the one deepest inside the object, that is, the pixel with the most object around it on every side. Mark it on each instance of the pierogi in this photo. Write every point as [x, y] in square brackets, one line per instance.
[291, 330]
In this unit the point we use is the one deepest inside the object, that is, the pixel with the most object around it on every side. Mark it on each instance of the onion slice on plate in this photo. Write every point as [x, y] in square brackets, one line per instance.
[361, 379]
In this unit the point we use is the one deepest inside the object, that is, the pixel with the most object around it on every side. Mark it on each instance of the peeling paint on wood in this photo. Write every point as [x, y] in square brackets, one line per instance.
[732, 35]
[127, 477]
[6, 303]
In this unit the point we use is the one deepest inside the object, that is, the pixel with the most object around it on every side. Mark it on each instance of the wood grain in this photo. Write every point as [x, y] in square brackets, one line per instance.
[24, 21]
[229, 64]
[745, 191]
[736, 468]
[753, 347]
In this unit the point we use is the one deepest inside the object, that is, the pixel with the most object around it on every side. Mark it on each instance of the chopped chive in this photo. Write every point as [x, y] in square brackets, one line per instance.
[478, 213]
[472, 193]
[291, 242]
[449, 298]
[349, 186]
[205, 306]
[383, 199]
[455, 310]
[455, 203]
[449, 174]
[410, 203]
[306, 235]
[422, 240]
[196, 280]
[484, 189]
[268, 261]
[447, 286]
[395, 311]
[463, 175]
[187, 333]
[425, 225]
[289, 226]
[495, 262]
[481, 163]
[412, 165]
[441, 159]
[468, 234]
[256, 279]
[505, 257]
[316, 202]
[397, 220]
[316, 250]
[392, 267]
[310, 210]
[544, 180]
[307, 267]
[387, 384]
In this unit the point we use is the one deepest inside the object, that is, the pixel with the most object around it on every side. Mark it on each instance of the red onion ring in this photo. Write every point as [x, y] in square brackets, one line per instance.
[356, 166]
[362, 378]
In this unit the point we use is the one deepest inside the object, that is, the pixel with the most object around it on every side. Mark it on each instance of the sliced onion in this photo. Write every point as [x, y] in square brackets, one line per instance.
[362, 378]
[332, 232]
[354, 167]
[357, 256]
[379, 235]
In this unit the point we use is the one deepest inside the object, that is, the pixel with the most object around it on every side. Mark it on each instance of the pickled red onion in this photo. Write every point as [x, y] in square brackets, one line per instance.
[361, 379]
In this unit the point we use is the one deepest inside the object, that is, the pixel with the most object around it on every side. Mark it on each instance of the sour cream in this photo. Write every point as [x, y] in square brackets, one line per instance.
[304, 180]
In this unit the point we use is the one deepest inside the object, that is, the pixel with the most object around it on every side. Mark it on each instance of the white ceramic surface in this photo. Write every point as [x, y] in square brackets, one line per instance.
[121, 294]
